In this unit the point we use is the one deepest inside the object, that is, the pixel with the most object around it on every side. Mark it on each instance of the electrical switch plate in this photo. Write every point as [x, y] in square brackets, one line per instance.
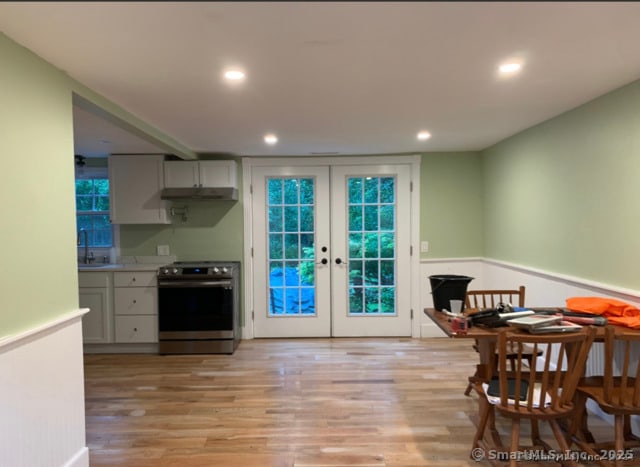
[163, 250]
[424, 247]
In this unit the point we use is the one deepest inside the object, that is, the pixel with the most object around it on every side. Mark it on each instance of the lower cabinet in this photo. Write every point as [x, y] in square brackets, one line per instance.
[136, 329]
[123, 307]
[95, 294]
[96, 325]
[136, 307]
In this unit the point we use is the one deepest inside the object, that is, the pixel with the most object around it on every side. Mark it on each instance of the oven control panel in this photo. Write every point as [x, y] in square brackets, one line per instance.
[197, 270]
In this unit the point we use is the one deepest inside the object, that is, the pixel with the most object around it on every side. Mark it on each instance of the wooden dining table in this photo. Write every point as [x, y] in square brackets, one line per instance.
[486, 339]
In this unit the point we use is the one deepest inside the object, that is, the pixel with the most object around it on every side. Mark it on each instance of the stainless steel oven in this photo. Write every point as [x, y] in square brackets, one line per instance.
[198, 307]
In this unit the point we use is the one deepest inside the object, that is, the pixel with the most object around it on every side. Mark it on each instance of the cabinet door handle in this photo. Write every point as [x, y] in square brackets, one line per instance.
[135, 329]
[135, 301]
[133, 280]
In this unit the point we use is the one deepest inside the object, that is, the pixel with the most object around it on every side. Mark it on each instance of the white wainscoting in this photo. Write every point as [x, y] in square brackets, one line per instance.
[42, 396]
[542, 288]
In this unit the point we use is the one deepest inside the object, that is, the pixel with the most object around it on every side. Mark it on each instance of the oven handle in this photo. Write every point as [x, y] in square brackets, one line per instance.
[183, 284]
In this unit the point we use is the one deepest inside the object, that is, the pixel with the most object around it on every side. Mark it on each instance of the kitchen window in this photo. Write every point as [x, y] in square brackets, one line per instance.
[92, 209]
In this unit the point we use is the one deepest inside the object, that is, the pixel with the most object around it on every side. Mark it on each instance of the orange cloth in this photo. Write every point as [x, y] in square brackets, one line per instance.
[616, 311]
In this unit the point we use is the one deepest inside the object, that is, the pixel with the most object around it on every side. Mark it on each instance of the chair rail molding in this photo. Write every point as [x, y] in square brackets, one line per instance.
[544, 288]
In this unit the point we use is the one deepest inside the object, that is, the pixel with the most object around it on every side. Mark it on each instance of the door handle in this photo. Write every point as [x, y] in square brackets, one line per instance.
[323, 261]
[339, 261]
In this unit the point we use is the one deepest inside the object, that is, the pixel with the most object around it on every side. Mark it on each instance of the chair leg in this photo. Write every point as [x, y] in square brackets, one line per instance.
[482, 423]
[515, 440]
[472, 380]
[535, 433]
[495, 434]
[619, 436]
[469, 388]
[561, 439]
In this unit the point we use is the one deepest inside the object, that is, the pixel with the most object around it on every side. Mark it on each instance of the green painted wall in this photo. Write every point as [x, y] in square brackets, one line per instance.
[38, 236]
[563, 196]
[451, 204]
[213, 231]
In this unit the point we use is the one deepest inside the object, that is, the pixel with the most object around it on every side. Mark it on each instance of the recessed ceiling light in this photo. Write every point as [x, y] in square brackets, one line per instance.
[270, 139]
[234, 75]
[510, 67]
[424, 135]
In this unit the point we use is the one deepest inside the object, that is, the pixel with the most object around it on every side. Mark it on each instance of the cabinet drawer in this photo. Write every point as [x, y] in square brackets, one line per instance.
[93, 279]
[135, 279]
[136, 329]
[135, 300]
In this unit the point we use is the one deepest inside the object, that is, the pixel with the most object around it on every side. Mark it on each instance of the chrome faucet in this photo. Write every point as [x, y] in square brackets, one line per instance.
[86, 259]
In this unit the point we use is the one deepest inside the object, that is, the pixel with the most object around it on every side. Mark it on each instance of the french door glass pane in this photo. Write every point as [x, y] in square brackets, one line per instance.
[372, 222]
[291, 246]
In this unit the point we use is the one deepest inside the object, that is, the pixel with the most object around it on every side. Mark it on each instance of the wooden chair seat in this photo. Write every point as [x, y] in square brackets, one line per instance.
[594, 389]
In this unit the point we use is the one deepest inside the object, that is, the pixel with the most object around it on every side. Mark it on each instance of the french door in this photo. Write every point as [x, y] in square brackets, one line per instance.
[331, 250]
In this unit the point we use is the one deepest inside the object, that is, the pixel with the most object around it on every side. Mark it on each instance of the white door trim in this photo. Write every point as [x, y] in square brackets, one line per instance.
[248, 163]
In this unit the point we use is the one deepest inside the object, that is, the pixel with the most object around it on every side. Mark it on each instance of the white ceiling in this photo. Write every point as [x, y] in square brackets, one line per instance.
[331, 77]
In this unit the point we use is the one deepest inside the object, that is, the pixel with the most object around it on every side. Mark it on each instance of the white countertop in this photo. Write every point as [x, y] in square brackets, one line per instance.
[120, 267]
[130, 263]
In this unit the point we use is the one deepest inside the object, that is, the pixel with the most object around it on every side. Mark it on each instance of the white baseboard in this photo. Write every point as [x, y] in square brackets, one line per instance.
[431, 330]
[142, 348]
[80, 459]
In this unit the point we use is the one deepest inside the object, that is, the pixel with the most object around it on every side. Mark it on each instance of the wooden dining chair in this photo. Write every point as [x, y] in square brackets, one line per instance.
[491, 298]
[616, 392]
[546, 388]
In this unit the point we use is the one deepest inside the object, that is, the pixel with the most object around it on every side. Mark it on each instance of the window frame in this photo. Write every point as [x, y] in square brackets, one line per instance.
[93, 173]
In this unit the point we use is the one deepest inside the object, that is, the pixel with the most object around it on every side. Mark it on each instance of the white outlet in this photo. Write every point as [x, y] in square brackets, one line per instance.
[163, 250]
[424, 247]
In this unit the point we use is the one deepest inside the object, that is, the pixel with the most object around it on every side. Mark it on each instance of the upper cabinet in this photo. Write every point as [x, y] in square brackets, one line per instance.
[200, 174]
[136, 182]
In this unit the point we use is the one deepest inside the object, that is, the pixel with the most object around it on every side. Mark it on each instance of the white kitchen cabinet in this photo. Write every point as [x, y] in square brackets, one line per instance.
[136, 329]
[135, 185]
[95, 294]
[136, 306]
[203, 174]
[135, 300]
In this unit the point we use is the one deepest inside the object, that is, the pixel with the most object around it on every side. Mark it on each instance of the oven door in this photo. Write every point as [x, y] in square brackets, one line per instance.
[195, 309]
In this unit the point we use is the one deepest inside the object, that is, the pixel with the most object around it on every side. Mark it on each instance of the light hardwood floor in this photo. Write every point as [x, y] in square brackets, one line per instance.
[290, 403]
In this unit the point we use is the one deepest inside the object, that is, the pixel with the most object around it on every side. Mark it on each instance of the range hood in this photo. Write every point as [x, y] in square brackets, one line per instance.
[200, 193]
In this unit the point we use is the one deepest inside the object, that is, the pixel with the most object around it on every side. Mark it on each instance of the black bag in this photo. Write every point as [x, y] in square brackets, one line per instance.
[488, 318]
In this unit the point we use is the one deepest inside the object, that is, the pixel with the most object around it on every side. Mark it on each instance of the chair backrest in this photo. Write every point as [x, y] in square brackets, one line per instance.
[491, 298]
[551, 380]
[621, 391]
